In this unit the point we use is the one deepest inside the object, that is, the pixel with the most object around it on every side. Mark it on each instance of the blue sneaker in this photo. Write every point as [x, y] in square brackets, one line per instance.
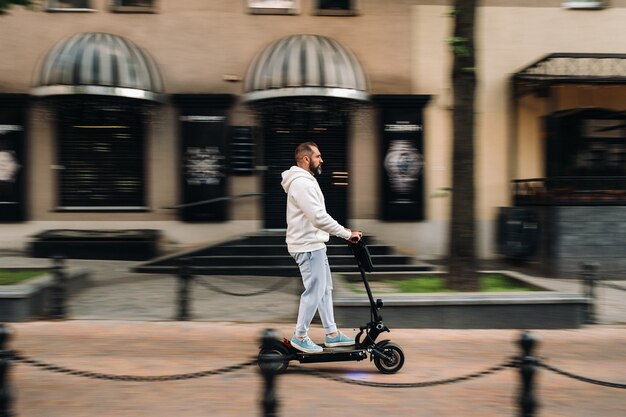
[339, 340]
[306, 345]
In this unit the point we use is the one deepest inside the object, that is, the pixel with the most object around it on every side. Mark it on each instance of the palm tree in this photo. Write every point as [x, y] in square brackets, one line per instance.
[462, 253]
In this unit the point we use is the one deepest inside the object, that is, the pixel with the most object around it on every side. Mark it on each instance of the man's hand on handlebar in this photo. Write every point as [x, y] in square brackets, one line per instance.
[356, 236]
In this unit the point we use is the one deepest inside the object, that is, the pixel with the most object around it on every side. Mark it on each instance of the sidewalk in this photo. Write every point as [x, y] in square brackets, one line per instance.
[162, 348]
[123, 324]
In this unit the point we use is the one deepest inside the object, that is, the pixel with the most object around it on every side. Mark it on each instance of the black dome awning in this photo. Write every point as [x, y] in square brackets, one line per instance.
[570, 68]
[98, 64]
[305, 65]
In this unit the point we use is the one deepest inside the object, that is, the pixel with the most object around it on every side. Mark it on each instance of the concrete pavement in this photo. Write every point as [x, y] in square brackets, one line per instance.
[116, 293]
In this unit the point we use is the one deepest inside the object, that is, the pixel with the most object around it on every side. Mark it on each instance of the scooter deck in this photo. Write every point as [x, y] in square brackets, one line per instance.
[335, 349]
[329, 354]
[332, 355]
[338, 349]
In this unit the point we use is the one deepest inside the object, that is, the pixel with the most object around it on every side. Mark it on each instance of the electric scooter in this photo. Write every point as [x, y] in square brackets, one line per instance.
[387, 356]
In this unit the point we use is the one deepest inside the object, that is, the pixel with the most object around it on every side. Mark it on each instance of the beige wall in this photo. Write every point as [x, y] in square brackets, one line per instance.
[508, 39]
[363, 164]
[195, 43]
[528, 158]
[162, 163]
[431, 69]
[41, 181]
[512, 38]
[402, 47]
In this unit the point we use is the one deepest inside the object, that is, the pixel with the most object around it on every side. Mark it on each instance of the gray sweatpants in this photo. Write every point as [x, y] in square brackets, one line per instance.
[317, 295]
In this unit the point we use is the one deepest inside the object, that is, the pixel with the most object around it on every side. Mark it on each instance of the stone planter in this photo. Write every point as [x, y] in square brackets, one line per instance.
[31, 299]
[506, 310]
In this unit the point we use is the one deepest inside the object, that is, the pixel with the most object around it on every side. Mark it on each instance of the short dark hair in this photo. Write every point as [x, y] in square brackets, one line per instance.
[304, 149]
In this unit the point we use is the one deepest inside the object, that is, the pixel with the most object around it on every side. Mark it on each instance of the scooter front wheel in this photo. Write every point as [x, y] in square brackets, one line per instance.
[273, 359]
[395, 361]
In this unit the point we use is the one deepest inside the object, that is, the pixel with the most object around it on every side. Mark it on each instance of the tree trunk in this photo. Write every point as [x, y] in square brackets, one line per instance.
[462, 253]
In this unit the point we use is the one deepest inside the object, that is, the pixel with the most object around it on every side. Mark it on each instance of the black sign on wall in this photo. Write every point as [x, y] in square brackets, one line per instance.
[204, 171]
[401, 156]
[12, 157]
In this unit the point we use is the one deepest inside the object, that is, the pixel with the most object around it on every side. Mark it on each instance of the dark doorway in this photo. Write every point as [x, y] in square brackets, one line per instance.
[288, 122]
[586, 143]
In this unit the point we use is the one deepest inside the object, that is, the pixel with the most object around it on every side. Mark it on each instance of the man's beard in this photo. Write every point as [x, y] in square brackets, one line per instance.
[315, 171]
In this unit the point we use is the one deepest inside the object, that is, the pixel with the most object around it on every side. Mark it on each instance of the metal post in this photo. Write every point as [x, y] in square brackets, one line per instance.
[269, 401]
[528, 366]
[184, 279]
[5, 363]
[589, 270]
[59, 288]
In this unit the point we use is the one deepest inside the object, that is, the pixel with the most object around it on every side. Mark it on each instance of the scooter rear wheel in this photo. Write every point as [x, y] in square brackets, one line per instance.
[396, 355]
[273, 359]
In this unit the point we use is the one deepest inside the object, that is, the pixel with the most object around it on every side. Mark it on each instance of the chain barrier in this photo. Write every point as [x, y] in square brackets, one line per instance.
[17, 357]
[129, 378]
[511, 363]
[581, 378]
[275, 287]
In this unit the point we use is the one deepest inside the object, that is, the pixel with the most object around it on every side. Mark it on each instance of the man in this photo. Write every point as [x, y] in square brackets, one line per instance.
[309, 227]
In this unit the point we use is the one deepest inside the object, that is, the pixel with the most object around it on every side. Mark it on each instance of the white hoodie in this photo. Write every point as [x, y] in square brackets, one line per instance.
[308, 223]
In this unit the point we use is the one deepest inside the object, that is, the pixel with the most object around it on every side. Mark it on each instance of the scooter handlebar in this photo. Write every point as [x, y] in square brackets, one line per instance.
[362, 255]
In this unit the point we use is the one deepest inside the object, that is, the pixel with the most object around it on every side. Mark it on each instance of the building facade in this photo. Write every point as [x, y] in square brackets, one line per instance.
[134, 114]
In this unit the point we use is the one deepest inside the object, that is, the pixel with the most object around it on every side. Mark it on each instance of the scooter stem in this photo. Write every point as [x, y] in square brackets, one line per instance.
[373, 308]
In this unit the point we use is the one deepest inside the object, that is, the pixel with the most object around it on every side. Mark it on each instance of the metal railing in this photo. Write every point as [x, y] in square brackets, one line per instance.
[212, 201]
[576, 191]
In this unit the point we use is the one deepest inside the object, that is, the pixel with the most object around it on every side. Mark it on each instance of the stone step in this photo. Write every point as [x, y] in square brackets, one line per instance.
[286, 260]
[274, 250]
[266, 254]
[278, 238]
[281, 270]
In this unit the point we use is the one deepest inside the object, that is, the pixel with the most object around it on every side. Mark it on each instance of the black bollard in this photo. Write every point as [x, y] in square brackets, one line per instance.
[6, 395]
[589, 270]
[528, 366]
[269, 401]
[59, 288]
[184, 280]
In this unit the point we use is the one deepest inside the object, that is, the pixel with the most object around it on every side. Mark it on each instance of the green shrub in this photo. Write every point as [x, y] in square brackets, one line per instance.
[430, 284]
[10, 277]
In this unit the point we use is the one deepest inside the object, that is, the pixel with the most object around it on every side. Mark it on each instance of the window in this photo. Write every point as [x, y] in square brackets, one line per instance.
[583, 4]
[133, 6]
[273, 6]
[336, 7]
[69, 6]
[100, 154]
